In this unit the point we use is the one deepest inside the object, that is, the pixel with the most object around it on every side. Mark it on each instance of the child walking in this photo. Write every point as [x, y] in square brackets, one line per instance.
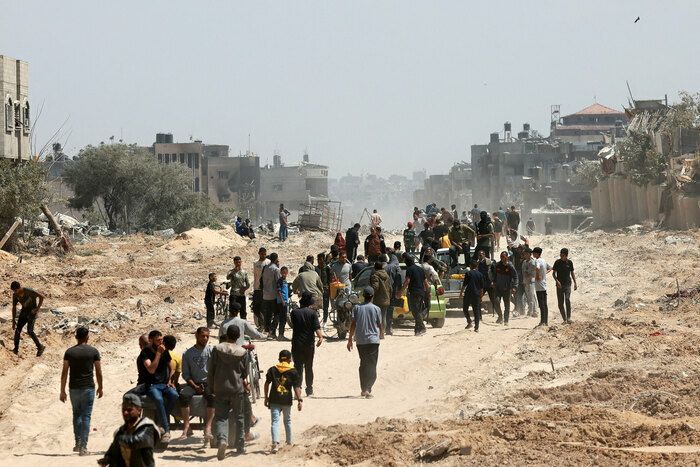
[280, 381]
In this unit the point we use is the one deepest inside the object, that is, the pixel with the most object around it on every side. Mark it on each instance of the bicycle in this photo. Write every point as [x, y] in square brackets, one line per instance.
[252, 370]
[221, 306]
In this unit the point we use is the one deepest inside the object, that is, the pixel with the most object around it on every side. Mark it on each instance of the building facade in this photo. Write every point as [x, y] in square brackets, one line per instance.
[229, 182]
[293, 186]
[16, 116]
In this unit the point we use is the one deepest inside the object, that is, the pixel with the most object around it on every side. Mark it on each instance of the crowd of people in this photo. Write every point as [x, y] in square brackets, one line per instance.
[218, 374]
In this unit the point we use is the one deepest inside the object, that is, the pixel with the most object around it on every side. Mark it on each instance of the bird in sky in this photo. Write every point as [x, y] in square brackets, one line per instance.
[636, 19]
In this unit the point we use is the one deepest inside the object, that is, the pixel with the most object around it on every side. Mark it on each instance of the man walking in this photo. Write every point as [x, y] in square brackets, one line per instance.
[194, 372]
[375, 219]
[27, 298]
[505, 281]
[155, 359]
[381, 283]
[258, 267]
[270, 280]
[352, 241]
[81, 360]
[529, 270]
[135, 440]
[324, 273]
[366, 328]
[308, 280]
[375, 248]
[284, 223]
[239, 285]
[541, 285]
[418, 288]
[563, 274]
[305, 325]
[471, 292]
[409, 238]
[513, 222]
[228, 379]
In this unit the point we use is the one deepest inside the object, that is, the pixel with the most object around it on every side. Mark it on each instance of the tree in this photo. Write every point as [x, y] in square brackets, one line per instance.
[588, 174]
[22, 191]
[135, 190]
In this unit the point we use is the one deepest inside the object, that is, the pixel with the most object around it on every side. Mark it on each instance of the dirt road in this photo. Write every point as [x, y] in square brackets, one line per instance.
[415, 375]
[440, 386]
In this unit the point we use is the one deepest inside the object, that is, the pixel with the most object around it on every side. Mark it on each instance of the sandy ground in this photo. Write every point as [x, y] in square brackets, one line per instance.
[624, 388]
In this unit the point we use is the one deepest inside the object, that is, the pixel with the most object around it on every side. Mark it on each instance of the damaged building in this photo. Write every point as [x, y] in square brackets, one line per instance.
[673, 199]
[292, 185]
[535, 172]
[229, 182]
[455, 187]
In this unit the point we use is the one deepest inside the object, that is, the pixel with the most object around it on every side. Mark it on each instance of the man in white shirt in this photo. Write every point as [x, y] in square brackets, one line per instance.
[375, 219]
[541, 284]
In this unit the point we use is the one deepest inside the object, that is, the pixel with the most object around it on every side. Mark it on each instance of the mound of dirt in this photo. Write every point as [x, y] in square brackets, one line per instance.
[6, 257]
[206, 238]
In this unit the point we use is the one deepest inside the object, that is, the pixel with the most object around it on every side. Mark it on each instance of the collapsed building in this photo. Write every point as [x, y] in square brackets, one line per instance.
[535, 172]
[670, 153]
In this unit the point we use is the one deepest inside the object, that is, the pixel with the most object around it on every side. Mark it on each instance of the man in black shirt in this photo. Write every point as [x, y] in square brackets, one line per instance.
[563, 273]
[418, 288]
[81, 359]
[513, 221]
[359, 265]
[352, 241]
[210, 298]
[472, 290]
[305, 324]
[156, 361]
[27, 298]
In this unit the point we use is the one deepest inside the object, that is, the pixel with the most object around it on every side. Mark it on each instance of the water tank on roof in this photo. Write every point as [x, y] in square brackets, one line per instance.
[169, 138]
[523, 135]
[494, 138]
[277, 160]
[526, 127]
[306, 157]
[506, 127]
[160, 137]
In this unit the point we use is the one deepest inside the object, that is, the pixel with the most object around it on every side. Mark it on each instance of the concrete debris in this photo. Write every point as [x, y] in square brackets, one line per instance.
[164, 233]
[674, 240]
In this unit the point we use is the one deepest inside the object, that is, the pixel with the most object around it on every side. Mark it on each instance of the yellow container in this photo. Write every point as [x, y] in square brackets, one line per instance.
[457, 276]
[335, 286]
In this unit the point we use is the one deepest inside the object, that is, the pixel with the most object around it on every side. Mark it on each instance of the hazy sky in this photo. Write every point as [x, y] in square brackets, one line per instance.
[376, 86]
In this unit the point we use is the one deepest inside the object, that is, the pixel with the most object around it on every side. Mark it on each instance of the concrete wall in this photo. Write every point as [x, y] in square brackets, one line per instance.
[14, 89]
[617, 202]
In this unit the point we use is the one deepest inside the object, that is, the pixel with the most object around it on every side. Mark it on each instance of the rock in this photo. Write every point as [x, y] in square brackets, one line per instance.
[123, 316]
[83, 319]
[510, 411]
[430, 387]
[589, 348]
[170, 300]
[2, 342]
[465, 451]
[435, 450]
[498, 433]
[619, 302]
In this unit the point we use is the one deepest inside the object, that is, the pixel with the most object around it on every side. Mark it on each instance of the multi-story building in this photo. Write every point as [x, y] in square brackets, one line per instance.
[589, 125]
[293, 186]
[16, 117]
[230, 182]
